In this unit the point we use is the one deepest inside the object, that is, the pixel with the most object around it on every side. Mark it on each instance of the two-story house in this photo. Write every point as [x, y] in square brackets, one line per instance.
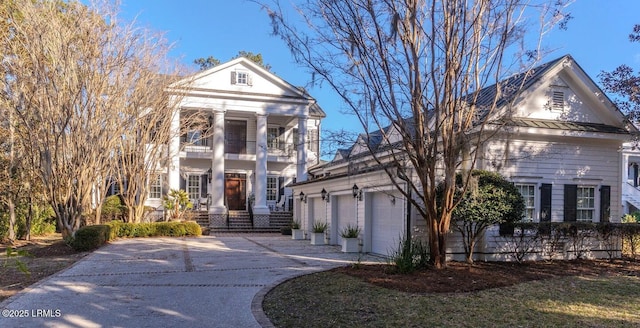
[263, 134]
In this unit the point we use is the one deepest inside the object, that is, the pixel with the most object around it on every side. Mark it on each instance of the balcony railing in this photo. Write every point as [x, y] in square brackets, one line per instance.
[241, 147]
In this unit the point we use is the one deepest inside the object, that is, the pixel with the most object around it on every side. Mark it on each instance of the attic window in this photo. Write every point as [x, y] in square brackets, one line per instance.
[240, 78]
[557, 100]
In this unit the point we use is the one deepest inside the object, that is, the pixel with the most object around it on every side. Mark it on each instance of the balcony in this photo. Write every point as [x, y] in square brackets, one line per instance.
[239, 149]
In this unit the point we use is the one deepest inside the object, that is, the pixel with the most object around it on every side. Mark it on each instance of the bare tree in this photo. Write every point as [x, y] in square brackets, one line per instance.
[70, 74]
[422, 67]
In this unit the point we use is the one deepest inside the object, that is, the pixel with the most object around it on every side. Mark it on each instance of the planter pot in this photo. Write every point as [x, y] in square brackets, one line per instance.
[317, 238]
[350, 245]
[297, 234]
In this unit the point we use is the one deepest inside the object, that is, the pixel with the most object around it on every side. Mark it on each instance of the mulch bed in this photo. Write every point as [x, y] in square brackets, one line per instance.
[462, 277]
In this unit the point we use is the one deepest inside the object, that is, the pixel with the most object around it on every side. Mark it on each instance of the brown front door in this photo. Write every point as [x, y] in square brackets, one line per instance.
[235, 137]
[235, 191]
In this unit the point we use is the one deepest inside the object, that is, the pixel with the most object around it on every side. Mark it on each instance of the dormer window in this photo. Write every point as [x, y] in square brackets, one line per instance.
[557, 100]
[240, 78]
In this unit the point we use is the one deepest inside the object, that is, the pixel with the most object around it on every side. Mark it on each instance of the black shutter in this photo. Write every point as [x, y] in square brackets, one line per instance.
[280, 187]
[233, 77]
[570, 202]
[545, 202]
[605, 203]
[183, 184]
[203, 186]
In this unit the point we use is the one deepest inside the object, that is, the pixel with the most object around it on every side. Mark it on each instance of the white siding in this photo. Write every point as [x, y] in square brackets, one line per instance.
[557, 162]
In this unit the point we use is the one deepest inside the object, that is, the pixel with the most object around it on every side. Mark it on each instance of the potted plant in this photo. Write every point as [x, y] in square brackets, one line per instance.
[350, 242]
[296, 232]
[317, 233]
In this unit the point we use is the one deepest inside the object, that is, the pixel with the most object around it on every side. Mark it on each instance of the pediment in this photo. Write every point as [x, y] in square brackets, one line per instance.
[241, 77]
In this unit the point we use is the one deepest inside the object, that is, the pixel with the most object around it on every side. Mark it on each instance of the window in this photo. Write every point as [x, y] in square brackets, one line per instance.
[155, 188]
[585, 203]
[193, 187]
[557, 100]
[241, 78]
[273, 138]
[272, 188]
[528, 193]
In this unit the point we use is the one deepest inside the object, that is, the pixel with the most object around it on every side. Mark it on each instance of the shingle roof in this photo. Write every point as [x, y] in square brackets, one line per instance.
[513, 85]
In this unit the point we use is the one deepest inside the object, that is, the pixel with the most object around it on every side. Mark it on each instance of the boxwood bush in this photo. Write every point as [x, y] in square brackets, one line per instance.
[92, 237]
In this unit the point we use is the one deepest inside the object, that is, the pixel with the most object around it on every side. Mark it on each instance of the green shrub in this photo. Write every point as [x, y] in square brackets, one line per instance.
[320, 227]
[193, 228]
[91, 237]
[350, 232]
[410, 256]
[113, 209]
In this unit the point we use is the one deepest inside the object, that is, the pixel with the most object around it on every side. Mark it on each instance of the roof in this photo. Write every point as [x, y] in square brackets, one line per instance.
[562, 125]
[512, 86]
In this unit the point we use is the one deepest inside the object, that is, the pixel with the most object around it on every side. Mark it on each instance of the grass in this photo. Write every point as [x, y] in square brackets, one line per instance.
[331, 299]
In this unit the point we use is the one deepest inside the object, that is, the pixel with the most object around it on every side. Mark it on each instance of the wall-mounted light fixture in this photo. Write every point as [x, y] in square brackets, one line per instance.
[303, 197]
[357, 193]
[323, 194]
[392, 199]
[210, 174]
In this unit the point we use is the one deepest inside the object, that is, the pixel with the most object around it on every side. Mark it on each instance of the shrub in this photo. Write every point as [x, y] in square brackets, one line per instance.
[320, 227]
[112, 208]
[489, 199]
[295, 224]
[350, 232]
[410, 256]
[285, 231]
[91, 237]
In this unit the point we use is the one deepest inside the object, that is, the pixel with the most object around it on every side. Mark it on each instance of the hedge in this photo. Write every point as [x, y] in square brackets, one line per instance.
[92, 237]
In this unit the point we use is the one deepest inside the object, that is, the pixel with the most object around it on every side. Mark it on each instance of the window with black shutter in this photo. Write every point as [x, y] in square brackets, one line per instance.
[605, 203]
[545, 202]
[570, 206]
[204, 188]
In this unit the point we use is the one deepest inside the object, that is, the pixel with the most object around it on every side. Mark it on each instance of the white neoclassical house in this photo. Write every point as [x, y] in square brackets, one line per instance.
[561, 147]
[263, 134]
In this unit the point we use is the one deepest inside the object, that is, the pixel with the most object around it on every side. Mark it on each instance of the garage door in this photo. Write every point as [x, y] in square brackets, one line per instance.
[319, 211]
[346, 215]
[387, 222]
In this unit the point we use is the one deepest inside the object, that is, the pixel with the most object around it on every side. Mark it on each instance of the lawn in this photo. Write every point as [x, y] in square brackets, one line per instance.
[602, 297]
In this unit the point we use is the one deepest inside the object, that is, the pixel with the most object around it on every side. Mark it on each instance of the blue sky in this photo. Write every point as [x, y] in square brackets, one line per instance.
[596, 38]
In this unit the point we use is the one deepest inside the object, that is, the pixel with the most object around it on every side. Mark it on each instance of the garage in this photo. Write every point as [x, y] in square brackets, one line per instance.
[387, 221]
[345, 215]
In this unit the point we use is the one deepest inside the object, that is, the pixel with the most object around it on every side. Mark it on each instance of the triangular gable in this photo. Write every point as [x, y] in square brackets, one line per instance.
[560, 91]
[242, 77]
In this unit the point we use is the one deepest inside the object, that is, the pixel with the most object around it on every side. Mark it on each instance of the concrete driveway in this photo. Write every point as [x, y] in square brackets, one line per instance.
[211, 281]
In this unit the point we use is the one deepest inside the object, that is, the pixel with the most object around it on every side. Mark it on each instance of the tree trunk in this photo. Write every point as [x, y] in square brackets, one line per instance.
[12, 219]
[29, 218]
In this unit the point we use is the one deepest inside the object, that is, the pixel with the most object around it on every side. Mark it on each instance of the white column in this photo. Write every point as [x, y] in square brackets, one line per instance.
[217, 164]
[301, 167]
[174, 151]
[260, 187]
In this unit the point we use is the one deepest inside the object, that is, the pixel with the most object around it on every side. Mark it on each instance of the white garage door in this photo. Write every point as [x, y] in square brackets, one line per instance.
[319, 211]
[346, 215]
[387, 222]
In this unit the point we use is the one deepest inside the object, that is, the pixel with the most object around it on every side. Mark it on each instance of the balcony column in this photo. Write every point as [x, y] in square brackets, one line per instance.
[260, 209]
[174, 151]
[217, 210]
[301, 167]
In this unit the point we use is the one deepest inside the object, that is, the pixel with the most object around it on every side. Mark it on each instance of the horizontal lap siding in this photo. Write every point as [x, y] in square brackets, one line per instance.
[595, 163]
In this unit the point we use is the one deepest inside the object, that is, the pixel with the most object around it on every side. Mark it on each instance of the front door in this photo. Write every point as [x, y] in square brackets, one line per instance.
[235, 186]
[235, 137]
